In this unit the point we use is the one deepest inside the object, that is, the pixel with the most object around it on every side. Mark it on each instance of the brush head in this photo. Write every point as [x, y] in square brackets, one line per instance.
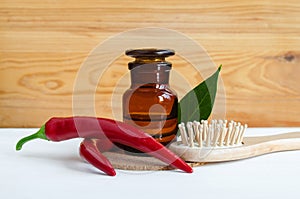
[217, 133]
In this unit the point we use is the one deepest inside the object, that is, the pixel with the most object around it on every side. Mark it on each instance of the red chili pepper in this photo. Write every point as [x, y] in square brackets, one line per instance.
[59, 129]
[90, 152]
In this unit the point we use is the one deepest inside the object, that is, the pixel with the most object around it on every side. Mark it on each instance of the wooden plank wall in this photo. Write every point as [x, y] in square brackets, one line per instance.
[43, 43]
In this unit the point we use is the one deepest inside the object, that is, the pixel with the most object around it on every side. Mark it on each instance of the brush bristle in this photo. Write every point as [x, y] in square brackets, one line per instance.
[217, 133]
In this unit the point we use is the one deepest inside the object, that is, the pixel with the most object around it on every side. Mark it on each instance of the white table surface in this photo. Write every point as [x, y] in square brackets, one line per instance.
[54, 170]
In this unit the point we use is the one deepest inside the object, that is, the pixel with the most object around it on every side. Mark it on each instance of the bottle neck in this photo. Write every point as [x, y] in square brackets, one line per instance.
[150, 74]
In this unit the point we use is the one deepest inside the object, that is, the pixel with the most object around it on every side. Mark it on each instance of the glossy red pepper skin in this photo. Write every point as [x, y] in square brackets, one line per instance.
[59, 129]
[91, 152]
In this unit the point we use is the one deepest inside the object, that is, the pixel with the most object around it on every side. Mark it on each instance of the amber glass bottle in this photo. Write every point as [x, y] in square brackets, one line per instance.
[149, 103]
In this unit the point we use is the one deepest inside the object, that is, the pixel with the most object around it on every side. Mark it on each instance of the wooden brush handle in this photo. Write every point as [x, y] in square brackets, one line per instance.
[253, 146]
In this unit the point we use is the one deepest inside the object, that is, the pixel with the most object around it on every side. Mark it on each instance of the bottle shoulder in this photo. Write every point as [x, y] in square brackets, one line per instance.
[150, 95]
[151, 91]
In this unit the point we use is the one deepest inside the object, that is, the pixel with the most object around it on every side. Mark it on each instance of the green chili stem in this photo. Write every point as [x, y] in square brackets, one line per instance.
[38, 135]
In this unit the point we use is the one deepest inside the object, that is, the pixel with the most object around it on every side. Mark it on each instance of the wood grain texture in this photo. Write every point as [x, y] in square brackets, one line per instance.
[44, 43]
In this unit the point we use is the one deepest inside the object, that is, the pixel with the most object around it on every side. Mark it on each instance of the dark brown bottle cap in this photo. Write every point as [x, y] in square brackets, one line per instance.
[149, 52]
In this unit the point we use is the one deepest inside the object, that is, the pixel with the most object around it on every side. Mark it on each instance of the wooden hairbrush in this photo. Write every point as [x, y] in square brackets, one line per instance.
[221, 141]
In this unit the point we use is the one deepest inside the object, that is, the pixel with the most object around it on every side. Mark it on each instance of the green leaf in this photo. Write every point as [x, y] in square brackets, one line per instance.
[198, 103]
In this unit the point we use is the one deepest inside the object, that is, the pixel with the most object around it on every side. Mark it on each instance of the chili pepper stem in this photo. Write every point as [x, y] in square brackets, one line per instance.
[40, 134]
